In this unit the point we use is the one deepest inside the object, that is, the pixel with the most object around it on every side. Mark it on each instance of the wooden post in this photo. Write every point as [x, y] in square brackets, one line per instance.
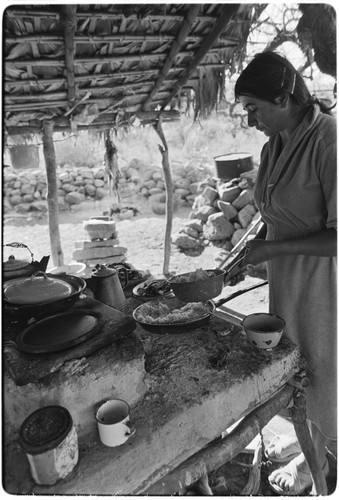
[169, 196]
[52, 193]
[298, 415]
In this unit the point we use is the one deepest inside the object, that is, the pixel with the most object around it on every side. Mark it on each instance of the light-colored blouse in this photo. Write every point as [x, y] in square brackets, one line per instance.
[296, 195]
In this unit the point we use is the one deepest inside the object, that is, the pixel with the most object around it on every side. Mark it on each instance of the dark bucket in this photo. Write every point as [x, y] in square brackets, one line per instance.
[230, 166]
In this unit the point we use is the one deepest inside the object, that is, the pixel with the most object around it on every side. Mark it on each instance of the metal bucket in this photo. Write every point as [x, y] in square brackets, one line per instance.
[230, 166]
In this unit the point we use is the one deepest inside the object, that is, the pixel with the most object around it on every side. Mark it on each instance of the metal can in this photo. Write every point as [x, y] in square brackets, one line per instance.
[50, 441]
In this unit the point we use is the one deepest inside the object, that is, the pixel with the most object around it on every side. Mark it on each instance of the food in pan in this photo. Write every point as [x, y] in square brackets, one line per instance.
[153, 288]
[198, 275]
[160, 313]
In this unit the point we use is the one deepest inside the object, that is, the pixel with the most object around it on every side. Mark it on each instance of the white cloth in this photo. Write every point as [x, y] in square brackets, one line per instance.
[296, 195]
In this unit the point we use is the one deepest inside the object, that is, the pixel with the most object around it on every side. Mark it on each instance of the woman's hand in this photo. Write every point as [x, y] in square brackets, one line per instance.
[259, 251]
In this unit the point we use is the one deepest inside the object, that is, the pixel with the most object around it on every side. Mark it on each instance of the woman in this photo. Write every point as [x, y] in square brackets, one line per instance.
[296, 195]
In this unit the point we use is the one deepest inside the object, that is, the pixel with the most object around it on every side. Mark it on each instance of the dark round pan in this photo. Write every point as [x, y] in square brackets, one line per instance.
[187, 327]
[174, 328]
[199, 290]
[40, 310]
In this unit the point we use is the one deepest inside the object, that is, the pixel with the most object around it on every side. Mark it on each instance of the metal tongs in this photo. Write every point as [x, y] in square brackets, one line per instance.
[235, 267]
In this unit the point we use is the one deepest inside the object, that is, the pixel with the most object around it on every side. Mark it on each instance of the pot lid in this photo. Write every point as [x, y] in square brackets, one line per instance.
[101, 270]
[38, 288]
[45, 429]
[13, 264]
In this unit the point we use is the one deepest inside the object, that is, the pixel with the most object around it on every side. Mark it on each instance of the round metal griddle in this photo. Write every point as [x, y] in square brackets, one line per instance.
[59, 331]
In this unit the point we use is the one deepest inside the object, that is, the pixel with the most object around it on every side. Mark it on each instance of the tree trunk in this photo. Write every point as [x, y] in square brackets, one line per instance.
[169, 197]
[52, 194]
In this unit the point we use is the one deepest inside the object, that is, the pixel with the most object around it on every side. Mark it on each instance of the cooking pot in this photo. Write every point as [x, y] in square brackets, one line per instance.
[199, 290]
[41, 294]
[230, 166]
[20, 268]
[190, 325]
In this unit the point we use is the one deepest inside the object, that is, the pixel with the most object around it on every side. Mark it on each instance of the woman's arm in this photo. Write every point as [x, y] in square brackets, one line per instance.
[322, 244]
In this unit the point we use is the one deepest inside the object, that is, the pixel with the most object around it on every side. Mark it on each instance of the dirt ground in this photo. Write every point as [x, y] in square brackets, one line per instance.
[143, 236]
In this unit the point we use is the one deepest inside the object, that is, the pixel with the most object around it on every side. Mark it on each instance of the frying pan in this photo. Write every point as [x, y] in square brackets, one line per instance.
[188, 326]
[42, 309]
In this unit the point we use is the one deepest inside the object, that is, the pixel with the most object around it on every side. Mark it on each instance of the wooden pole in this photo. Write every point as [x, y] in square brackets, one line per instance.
[220, 25]
[52, 193]
[70, 23]
[169, 196]
[175, 48]
[298, 415]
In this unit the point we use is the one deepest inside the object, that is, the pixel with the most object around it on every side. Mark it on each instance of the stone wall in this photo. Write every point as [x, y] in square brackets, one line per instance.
[26, 191]
[221, 213]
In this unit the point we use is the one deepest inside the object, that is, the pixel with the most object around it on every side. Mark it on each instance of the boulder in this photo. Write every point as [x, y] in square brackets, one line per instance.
[99, 183]
[244, 198]
[27, 189]
[190, 231]
[237, 235]
[68, 188]
[74, 198]
[246, 215]
[196, 224]
[210, 194]
[193, 187]
[23, 208]
[182, 183]
[199, 202]
[186, 242]
[218, 227]
[204, 213]
[15, 200]
[150, 184]
[90, 189]
[182, 192]
[157, 175]
[227, 209]
[100, 193]
[39, 206]
[99, 174]
[228, 194]
[28, 198]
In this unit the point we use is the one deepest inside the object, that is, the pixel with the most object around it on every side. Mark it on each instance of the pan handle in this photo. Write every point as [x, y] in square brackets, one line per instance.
[239, 292]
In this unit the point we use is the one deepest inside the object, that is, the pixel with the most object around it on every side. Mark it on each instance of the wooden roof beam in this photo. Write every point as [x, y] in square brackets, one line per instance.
[101, 76]
[128, 37]
[227, 12]
[174, 51]
[101, 59]
[20, 12]
[104, 121]
[68, 13]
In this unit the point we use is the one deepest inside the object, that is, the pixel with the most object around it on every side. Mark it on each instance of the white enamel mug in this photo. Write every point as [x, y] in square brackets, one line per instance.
[113, 418]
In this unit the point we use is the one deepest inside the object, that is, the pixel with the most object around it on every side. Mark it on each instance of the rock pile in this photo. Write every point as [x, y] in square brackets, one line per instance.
[26, 191]
[186, 180]
[221, 213]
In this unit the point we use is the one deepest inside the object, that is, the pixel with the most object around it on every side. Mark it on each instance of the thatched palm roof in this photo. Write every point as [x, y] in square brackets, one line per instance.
[94, 66]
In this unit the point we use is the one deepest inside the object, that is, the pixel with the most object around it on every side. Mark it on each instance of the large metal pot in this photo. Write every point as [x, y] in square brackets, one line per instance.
[41, 294]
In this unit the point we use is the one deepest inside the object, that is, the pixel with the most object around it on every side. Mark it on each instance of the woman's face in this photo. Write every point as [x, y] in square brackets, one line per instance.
[263, 115]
